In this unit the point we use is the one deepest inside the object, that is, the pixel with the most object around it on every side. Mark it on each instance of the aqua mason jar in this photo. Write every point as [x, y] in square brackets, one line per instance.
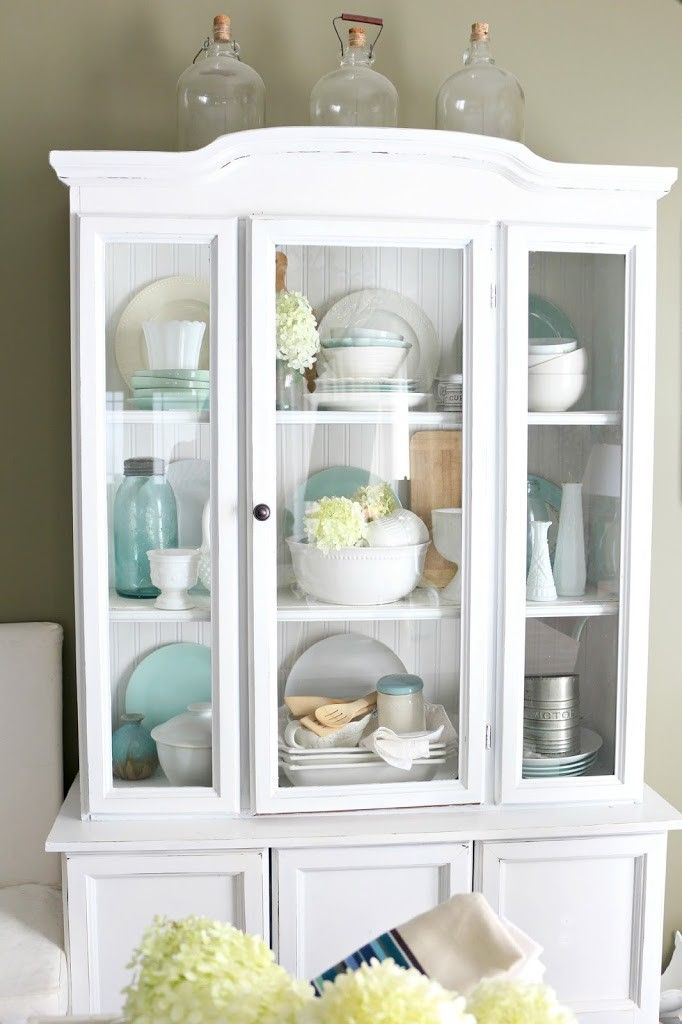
[145, 519]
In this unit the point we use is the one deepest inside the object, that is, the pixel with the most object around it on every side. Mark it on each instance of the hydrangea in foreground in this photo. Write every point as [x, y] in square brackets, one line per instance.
[376, 500]
[333, 523]
[198, 971]
[506, 1002]
[383, 993]
[297, 339]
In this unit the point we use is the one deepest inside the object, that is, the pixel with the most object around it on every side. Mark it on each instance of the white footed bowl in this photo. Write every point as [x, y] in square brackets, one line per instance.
[400, 527]
[173, 344]
[555, 392]
[358, 576]
[569, 362]
[370, 362]
[551, 346]
[364, 332]
[447, 540]
[174, 571]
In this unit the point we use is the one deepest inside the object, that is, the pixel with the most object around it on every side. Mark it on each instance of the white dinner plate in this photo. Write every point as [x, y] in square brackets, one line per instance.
[170, 298]
[191, 483]
[359, 774]
[347, 664]
[368, 401]
[386, 310]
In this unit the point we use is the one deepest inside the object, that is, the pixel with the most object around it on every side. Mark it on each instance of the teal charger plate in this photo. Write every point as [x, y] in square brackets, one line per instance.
[545, 320]
[167, 680]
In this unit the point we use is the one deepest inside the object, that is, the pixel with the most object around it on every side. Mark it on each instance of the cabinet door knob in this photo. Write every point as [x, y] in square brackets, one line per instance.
[261, 512]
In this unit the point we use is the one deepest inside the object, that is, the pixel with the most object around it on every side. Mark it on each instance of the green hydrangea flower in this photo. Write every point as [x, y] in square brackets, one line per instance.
[333, 523]
[507, 1002]
[297, 339]
[376, 500]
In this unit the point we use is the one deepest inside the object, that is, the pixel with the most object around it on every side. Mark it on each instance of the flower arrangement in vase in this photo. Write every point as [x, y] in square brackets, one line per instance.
[297, 339]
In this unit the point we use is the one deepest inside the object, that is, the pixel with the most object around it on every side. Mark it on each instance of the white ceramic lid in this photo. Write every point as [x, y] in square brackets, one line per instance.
[194, 728]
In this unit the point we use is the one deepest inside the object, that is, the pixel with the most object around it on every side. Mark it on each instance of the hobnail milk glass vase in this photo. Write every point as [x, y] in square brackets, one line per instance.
[569, 558]
[540, 582]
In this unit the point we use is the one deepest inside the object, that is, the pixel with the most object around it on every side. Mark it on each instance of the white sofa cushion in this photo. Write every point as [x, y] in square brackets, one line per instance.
[33, 975]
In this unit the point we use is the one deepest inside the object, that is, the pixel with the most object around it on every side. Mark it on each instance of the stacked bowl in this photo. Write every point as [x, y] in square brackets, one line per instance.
[557, 374]
[361, 358]
[172, 378]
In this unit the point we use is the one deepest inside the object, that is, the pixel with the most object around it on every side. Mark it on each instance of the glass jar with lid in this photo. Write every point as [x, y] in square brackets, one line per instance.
[481, 98]
[145, 519]
[218, 93]
[400, 702]
[355, 94]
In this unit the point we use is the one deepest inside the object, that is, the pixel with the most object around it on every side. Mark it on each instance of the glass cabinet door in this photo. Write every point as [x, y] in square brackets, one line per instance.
[578, 434]
[369, 518]
[155, 398]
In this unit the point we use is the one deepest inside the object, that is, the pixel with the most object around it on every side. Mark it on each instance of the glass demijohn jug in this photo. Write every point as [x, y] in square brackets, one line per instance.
[355, 94]
[145, 519]
[482, 98]
[218, 93]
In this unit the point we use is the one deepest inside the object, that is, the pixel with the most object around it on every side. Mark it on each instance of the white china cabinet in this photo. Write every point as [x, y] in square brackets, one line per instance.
[464, 249]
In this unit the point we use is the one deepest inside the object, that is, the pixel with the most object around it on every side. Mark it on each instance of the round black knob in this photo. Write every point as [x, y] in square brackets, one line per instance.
[261, 513]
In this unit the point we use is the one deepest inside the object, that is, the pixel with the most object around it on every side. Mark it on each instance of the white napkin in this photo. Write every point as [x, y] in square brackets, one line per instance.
[400, 751]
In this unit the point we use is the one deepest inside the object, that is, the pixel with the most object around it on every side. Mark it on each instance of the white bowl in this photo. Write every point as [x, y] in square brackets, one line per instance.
[184, 745]
[551, 346]
[363, 332]
[400, 527]
[554, 392]
[358, 576]
[173, 344]
[568, 362]
[377, 361]
[174, 571]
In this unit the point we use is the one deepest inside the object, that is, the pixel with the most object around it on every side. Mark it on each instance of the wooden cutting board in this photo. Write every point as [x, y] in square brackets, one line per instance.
[435, 482]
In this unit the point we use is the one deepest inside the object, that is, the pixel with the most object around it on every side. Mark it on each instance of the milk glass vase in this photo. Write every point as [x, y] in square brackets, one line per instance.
[355, 94]
[540, 582]
[482, 98]
[569, 558]
[218, 93]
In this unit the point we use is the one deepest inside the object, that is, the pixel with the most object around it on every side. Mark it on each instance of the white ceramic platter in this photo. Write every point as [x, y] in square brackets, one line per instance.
[384, 310]
[359, 774]
[170, 298]
[190, 480]
[369, 401]
[345, 665]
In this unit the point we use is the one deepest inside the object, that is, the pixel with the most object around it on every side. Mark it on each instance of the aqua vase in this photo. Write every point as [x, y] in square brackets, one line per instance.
[289, 385]
[133, 751]
[145, 519]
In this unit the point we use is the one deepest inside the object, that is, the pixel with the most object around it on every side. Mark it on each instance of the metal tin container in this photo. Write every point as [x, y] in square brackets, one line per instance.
[551, 715]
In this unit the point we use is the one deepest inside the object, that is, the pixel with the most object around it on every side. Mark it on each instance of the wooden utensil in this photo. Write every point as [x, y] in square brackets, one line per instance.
[435, 482]
[300, 706]
[320, 730]
[336, 715]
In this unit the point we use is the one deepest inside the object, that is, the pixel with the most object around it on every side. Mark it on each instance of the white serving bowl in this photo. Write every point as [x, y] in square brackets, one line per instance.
[174, 571]
[173, 344]
[363, 332]
[354, 362]
[569, 362]
[400, 527]
[358, 576]
[551, 346]
[554, 392]
[184, 745]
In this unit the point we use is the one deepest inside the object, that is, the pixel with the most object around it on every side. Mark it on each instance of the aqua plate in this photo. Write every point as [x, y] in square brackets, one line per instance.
[196, 375]
[166, 402]
[365, 343]
[168, 680]
[168, 384]
[545, 320]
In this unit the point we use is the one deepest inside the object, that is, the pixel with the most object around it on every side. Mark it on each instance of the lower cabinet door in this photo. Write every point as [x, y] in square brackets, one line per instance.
[596, 906]
[328, 902]
[112, 898]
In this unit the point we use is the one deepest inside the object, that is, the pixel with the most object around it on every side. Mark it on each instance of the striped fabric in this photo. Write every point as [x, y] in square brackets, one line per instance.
[389, 945]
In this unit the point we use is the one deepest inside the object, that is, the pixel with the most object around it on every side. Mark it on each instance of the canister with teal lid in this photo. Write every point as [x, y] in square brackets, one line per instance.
[400, 702]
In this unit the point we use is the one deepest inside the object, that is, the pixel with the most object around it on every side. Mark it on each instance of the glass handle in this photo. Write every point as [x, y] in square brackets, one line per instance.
[261, 512]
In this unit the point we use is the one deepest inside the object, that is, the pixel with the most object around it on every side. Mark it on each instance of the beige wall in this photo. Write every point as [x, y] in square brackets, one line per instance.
[603, 83]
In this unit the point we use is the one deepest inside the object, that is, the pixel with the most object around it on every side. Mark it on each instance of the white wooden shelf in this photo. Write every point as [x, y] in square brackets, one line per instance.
[416, 418]
[574, 419]
[590, 604]
[130, 609]
[420, 604]
[156, 416]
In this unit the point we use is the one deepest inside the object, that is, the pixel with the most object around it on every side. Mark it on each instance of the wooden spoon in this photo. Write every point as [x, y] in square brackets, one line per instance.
[336, 715]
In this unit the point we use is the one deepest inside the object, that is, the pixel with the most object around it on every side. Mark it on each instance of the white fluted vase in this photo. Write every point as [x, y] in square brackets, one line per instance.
[540, 582]
[569, 558]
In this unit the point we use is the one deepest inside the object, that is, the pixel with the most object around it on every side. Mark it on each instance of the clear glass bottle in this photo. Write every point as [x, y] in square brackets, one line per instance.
[482, 98]
[355, 94]
[145, 518]
[218, 93]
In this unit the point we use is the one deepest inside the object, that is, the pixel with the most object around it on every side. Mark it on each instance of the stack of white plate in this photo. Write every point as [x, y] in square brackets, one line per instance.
[557, 374]
[342, 766]
[541, 767]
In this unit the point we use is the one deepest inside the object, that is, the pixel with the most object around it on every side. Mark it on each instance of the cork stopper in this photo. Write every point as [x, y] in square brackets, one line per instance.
[281, 263]
[480, 32]
[357, 37]
[221, 28]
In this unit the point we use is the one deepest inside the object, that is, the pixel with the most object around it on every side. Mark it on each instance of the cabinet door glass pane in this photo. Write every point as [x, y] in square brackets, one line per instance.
[158, 488]
[370, 516]
[576, 328]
